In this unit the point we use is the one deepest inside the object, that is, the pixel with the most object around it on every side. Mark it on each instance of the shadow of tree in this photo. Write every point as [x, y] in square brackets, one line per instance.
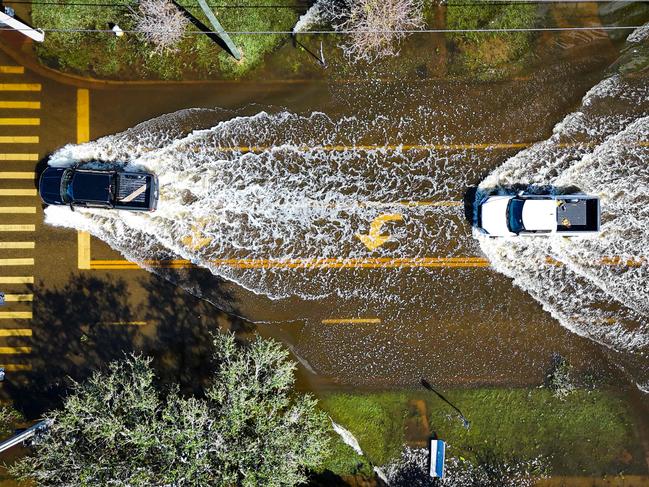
[181, 344]
[72, 336]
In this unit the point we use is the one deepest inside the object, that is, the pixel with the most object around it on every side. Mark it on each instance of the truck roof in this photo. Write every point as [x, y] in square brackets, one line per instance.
[91, 186]
[540, 214]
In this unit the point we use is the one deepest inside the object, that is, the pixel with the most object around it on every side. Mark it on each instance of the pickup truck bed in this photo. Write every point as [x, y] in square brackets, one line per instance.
[577, 215]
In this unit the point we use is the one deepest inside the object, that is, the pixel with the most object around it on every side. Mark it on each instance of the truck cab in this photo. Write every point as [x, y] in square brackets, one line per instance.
[92, 188]
[539, 215]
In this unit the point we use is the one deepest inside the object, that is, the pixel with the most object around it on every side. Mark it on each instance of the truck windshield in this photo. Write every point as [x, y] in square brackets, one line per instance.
[515, 215]
[66, 187]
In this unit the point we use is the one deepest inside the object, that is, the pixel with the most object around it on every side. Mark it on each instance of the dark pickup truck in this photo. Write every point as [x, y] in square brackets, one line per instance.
[94, 188]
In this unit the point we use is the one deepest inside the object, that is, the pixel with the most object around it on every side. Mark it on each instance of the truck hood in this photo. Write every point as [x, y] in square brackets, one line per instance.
[49, 185]
[493, 216]
[540, 215]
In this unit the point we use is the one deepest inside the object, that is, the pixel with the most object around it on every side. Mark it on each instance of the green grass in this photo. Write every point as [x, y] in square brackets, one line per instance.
[589, 433]
[490, 54]
[104, 55]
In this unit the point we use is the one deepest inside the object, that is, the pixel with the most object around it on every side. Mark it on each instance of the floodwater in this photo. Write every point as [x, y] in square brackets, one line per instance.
[267, 189]
[272, 199]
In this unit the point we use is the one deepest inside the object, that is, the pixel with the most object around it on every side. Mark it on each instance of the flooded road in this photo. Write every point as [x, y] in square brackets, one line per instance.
[336, 216]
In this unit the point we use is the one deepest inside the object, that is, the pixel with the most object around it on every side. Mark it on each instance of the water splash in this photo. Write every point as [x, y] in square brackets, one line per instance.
[596, 287]
[256, 190]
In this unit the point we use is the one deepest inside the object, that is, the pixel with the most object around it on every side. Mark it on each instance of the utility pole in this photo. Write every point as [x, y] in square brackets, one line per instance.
[221, 31]
[36, 34]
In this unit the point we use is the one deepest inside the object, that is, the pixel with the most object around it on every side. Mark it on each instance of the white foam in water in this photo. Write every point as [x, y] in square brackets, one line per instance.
[290, 199]
[601, 288]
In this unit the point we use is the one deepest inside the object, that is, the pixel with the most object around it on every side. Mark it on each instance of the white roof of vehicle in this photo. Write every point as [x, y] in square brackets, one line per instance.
[540, 214]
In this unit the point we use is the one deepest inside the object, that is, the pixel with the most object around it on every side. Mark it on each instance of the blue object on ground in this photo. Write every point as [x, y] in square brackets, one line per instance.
[437, 457]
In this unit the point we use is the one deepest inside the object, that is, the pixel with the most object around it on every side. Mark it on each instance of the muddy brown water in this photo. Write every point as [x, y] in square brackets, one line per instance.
[455, 326]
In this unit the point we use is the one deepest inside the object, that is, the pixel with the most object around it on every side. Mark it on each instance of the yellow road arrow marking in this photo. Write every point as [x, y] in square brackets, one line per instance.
[196, 240]
[374, 239]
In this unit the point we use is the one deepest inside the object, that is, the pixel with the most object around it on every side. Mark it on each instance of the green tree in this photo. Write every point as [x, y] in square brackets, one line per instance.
[250, 428]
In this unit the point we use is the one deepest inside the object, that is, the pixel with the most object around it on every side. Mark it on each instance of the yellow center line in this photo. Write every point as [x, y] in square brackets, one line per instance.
[16, 279]
[15, 332]
[127, 323]
[16, 367]
[17, 175]
[389, 147]
[17, 209]
[404, 147]
[17, 228]
[83, 135]
[20, 87]
[28, 105]
[323, 263]
[15, 350]
[11, 298]
[16, 262]
[335, 321]
[430, 203]
[20, 121]
[18, 192]
[19, 157]
[12, 69]
[18, 315]
[16, 245]
[19, 139]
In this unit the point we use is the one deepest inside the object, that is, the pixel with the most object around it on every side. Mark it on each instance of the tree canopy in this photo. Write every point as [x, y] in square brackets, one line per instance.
[120, 428]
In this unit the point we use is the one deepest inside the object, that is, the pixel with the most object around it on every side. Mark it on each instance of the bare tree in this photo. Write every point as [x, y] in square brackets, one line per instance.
[374, 26]
[161, 23]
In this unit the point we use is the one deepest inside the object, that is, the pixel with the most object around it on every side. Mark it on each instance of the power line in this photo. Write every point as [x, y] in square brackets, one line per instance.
[306, 4]
[358, 31]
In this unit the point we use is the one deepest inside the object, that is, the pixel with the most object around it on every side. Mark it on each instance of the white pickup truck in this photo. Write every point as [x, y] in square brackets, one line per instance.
[537, 215]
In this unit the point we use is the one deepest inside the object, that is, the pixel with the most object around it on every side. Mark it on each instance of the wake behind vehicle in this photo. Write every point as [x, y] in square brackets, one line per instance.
[539, 215]
[95, 188]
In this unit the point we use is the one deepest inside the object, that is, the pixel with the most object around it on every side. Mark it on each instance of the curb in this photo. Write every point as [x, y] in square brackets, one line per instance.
[9, 40]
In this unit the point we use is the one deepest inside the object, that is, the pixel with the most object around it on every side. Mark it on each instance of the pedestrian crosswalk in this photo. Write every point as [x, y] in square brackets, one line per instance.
[20, 122]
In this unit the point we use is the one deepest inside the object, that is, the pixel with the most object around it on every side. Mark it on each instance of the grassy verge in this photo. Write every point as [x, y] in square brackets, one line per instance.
[588, 433]
[104, 55]
[489, 55]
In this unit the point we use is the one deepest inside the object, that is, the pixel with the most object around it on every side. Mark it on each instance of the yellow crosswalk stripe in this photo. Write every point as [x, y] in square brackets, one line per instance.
[15, 332]
[18, 315]
[16, 279]
[12, 69]
[18, 192]
[19, 157]
[16, 367]
[19, 139]
[19, 261]
[20, 87]
[17, 228]
[16, 245]
[14, 350]
[17, 175]
[17, 209]
[20, 121]
[14, 298]
[29, 105]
